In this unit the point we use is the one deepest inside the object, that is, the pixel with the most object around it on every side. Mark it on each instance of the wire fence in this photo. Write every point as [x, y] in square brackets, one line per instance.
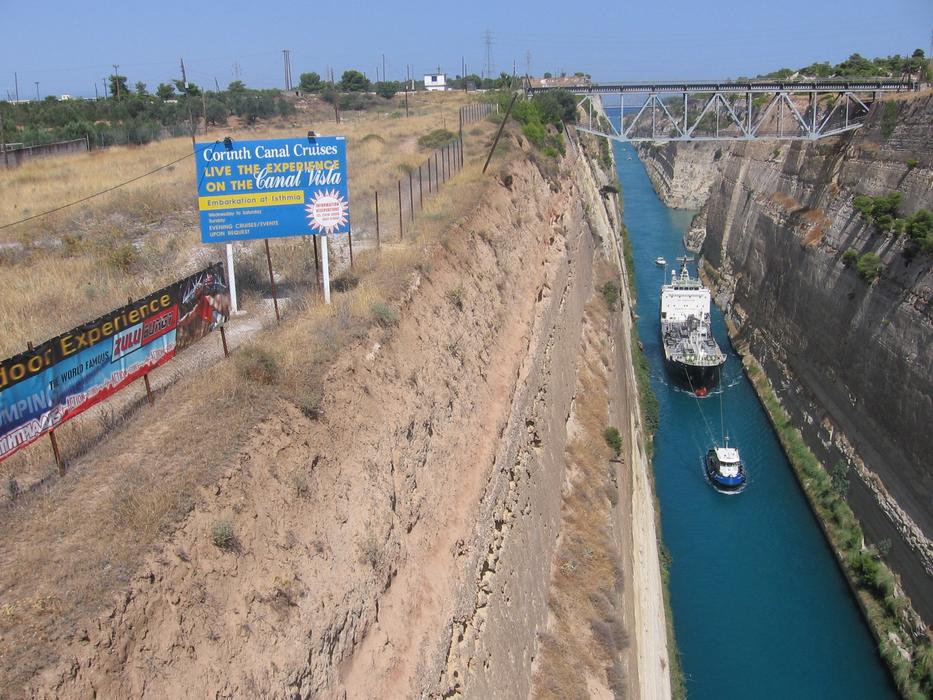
[387, 214]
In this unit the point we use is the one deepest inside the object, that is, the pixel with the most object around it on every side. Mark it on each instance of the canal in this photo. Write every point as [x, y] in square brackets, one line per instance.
[761, 609]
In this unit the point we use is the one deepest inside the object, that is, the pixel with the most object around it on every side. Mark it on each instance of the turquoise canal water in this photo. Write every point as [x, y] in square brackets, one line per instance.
[761, 609]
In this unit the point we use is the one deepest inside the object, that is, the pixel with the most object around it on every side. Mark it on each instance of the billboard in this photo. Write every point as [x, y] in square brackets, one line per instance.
[272, 188]
[43, 387]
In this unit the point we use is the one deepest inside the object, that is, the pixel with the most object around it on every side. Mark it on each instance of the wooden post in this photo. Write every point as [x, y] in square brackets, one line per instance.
[6, 161]
[275, 296]
[317, 273]
[378, 243]
[223, 339]
[57, 453]
[499, 133]
[411, 196]
[400, 210]
[350, 238]
[149, 388]
[436, 172]
[420, 190]
[429, 175]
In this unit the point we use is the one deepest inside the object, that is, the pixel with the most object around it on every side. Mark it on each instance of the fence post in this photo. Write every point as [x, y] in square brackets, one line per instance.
[436, 172]
[223, 340]
[420, 190]
[411, 197]
[429, 174]
[149, 388]
[400, 210]
[275, 296]
[350, 238]
[378, 242]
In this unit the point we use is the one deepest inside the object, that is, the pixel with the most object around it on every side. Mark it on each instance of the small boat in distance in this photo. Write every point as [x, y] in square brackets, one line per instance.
[660, 262]
[724, 469]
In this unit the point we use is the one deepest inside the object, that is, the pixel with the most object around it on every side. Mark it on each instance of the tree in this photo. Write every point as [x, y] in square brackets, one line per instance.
[118, 86]
[386, 89]
[310, 82]
[216, 112]
[354, 81]
[191, 89]
[165, 91]
[548, 75]
[141, 89]
[237, 87]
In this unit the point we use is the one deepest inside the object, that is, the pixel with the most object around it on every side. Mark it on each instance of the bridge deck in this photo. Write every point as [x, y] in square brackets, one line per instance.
[713, 86]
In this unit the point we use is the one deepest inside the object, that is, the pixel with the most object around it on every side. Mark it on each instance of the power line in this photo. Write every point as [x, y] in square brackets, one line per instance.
[96, 194]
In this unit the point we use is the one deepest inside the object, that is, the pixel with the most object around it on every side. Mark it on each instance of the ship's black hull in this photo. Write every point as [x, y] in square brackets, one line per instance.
[693, 377]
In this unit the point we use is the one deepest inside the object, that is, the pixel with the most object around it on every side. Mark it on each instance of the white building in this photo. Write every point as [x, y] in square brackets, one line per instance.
[435, 81]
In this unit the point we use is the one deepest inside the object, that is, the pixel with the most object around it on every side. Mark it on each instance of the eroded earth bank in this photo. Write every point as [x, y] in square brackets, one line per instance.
[451, 522]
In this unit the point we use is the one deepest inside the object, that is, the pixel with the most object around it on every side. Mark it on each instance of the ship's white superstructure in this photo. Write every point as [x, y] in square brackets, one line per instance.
[686, 334]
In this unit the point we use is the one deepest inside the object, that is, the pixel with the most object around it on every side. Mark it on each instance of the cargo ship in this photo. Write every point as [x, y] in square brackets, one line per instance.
[691, 353]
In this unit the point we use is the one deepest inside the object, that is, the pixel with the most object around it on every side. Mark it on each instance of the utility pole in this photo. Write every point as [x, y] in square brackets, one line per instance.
[116, 78]
[487, 38]
[216, 84]
[184, 82]
[96, 94]
[286, 56]
[528, 63]
[37, 90]
[16, 83]
[384, 79]
[407, 84]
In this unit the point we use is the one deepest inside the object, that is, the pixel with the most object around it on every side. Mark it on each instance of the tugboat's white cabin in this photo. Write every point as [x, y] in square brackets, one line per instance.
[728, 461]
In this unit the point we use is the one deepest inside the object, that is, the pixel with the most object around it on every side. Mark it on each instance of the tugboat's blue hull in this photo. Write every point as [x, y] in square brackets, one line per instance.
[726, 484]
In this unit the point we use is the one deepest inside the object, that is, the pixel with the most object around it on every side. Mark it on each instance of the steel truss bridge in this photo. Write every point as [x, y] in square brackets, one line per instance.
[728, 111]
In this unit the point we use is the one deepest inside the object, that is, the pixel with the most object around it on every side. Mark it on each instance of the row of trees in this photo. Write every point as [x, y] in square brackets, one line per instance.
[355, 81]
[856, 66]
[136, 116]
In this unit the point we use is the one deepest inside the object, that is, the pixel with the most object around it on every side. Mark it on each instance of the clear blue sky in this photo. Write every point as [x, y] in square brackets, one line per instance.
[68, 46]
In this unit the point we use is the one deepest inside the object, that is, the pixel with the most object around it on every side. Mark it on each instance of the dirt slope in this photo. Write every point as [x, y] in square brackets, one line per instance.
[352, 527]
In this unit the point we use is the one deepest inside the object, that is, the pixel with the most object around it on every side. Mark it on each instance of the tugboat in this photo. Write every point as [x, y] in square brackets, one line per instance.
[724, 469]
[690, 350]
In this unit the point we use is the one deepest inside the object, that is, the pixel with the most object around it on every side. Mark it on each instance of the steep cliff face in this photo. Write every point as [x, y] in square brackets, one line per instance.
[682, 173]
[852, 359]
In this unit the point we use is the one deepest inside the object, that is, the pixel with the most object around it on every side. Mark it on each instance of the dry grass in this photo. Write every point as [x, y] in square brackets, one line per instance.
[69, 544]
[588, 635]
[66, 268]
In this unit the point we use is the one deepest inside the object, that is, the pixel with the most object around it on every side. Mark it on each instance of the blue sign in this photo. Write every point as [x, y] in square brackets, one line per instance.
[272, 188]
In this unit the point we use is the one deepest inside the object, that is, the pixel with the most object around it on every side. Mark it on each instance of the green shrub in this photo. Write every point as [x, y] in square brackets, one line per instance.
[535, 132]
[123, 257]
[613, 439]
[911, 163]
[889, 118]
[850, 257]
[256, 364]
[222, 534]
[455, 297]
[610, 292]
[383, 313]
[437, 138]
[870, 266]
[919, 228]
